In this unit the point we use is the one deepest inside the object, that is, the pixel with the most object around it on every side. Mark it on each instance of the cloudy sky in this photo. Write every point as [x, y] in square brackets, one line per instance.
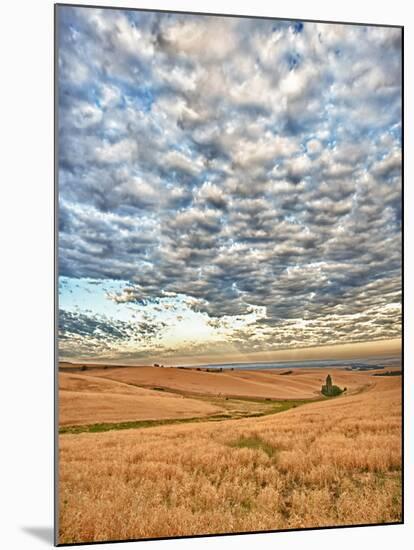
[228, 187]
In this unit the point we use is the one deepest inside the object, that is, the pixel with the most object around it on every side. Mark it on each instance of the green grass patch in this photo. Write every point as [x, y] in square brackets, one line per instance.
[253, 442]
[266, 408]
[108, 426]
[280, 406]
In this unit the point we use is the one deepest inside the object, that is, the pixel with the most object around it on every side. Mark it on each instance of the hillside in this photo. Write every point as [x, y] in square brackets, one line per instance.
[336, 462]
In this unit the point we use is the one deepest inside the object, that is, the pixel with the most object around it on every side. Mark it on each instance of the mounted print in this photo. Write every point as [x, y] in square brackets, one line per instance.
[229, 208]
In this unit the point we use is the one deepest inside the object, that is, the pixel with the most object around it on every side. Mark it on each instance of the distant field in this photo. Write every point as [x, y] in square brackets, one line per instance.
[85, 399]
[300, 384]
[134, 394]
[333, 462]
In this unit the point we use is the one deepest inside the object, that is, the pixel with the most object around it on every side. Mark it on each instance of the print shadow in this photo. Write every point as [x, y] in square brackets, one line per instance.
[44, 534]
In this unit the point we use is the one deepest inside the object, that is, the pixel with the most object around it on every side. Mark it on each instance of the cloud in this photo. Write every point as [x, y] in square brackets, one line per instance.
[91, 335]
[241, 163]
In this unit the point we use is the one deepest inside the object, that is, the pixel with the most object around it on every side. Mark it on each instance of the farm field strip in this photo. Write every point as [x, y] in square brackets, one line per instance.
[120, 398]
[232, 414]
[332, 462]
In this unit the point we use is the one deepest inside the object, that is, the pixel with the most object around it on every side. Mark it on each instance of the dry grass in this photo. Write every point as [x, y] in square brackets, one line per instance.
[85, 399]
[301, 384]
[336, 462]
[133, 394]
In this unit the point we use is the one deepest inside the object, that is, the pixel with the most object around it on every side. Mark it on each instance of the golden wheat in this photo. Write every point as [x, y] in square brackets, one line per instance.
[301, 384]
[336, 462]
[85, 399]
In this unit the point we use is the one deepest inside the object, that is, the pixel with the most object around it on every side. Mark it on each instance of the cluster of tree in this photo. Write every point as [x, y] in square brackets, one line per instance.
[329, 389]
[218, 369]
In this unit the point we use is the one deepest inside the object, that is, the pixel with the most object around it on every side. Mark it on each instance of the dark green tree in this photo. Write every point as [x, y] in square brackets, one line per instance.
[329, 389]
[329, 383]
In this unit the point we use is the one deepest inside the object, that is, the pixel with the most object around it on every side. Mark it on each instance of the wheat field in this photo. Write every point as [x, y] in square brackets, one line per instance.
[335, 462]
[84, 399]
[302, 383]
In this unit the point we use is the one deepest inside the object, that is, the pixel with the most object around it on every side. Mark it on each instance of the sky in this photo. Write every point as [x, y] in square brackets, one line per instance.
[229, 188]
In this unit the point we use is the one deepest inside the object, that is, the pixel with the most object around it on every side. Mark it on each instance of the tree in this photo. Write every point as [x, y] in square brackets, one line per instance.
[329, 383]
[329, 389]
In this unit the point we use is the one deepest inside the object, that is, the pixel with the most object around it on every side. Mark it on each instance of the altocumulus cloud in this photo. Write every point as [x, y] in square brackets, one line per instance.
[248, 165]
